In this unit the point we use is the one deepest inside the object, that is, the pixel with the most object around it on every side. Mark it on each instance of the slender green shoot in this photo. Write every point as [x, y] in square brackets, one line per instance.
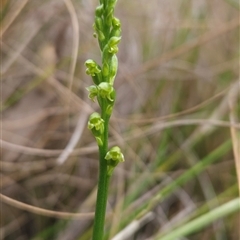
[107, 30]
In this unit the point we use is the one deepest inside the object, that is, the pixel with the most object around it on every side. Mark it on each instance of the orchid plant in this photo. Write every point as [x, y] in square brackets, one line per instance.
[107, 30]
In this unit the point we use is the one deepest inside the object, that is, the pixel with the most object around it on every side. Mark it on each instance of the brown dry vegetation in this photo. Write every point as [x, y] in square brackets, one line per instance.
[177, 101]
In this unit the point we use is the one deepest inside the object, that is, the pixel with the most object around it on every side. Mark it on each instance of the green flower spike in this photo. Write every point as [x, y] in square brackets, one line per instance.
[107, 91]
[96, 125]
[93, 92]
[113, 157]
[107, 31]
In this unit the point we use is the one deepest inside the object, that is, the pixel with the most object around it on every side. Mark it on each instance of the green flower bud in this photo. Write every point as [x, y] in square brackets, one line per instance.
[116, 22]
[99, 141]
[109, 18]
[111, 3]
[113, 157]
[101, 36]
[107, 91]
[93, 92]
[114, 41]
[116, 32]
[98, 33]
[116, 29]
[99, 24]
[105, 69]
[99, 11]
[113, 68]
[109, 110]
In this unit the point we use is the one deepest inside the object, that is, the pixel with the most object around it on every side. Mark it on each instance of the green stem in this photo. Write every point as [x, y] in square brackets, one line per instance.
[103, 184]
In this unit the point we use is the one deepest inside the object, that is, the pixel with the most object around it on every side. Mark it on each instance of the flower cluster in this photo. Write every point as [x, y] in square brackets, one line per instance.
[107, 30]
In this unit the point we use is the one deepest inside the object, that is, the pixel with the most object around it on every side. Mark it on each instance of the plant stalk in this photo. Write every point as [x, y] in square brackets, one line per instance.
[103, 184]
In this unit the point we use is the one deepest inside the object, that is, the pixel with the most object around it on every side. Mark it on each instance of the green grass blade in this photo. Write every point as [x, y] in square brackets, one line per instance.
[206, 219]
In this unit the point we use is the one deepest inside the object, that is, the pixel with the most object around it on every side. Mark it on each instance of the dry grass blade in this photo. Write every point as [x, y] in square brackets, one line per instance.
[75, 40]
[42, 211]
[44, 152]
[187, 47]
[18, 6]
[133, 227]
[74, 139]
[235, 136]
[155, 119]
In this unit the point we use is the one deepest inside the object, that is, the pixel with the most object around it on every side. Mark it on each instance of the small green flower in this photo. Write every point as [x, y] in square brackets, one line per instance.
[111, 48]
[96, 125]
[107, 91]
[115, 154]
[93, 92]
[113, 157]
[92, 67]
[96, 122]
[112, 44]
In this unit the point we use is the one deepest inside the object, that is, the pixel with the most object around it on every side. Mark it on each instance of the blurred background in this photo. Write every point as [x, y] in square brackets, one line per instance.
[176, 119]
